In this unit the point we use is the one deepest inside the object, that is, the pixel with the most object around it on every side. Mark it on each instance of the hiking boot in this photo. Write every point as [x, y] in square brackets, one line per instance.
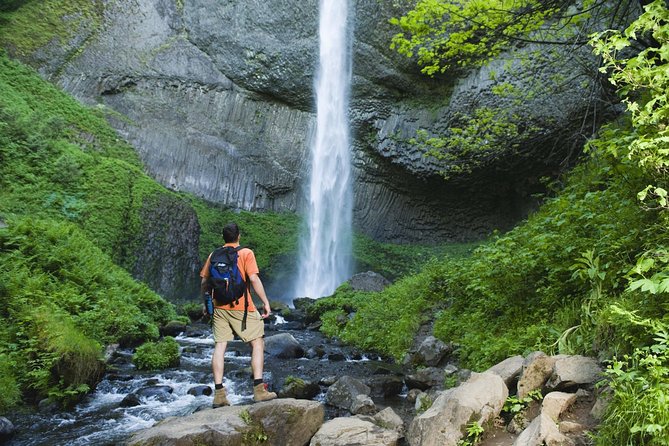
[260, 393]
[220, 398]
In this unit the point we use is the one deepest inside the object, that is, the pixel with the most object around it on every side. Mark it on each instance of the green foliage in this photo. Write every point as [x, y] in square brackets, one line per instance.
[478, 139]
[394, 261]
[28, 25]
[442, 34]
[514, 405]
[638, 413]
[269, 234]
[643, 82]
[473, 436]
[157, 355]
[10, 393]
[385, 321]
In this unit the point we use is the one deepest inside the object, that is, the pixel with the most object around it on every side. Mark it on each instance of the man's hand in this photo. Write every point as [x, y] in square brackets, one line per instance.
[266, 311]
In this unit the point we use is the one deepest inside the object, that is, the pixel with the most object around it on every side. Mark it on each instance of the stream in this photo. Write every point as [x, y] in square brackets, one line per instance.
[102, 419]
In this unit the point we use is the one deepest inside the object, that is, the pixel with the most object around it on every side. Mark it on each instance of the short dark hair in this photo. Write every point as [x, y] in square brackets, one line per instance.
[230, 232]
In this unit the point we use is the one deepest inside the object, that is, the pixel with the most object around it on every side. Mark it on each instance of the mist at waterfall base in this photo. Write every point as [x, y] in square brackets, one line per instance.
[325, 251]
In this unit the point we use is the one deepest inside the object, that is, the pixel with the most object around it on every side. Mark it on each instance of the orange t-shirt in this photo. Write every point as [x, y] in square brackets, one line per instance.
[246, 262]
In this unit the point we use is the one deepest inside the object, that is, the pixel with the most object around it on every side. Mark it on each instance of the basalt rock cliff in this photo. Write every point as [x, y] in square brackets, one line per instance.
[217, 97]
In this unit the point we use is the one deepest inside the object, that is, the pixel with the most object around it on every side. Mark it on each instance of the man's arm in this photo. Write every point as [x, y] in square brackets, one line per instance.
[260, 292]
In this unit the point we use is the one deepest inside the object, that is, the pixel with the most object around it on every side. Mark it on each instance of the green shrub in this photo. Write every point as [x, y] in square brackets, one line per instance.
[157, 355]
[638, 413]
[10, 394]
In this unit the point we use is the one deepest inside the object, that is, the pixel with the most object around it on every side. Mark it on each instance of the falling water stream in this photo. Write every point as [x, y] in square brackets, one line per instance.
[326, 249]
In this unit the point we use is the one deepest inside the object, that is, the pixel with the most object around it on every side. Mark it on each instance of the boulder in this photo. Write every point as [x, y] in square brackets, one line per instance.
[353, 431]
[481, 398]
[343, 392]
[200, 391]
[300, 389]
[555, 403]
[317, 351]
[368, 281]
[7, 430]
[388, 419]
[130, 400]
[283, 345]
[286, 422]
[571, 371]
[509, 369]
[542, 431]
[431, 351]
[537, 368]
[337, 355]
[385, 385]
[425, 378]
[161, 393]
[363, 405]
[173, 328]
[303, 303]
[570, 427]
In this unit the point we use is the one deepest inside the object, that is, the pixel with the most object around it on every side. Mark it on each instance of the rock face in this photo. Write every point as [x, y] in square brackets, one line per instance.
[167, 257]
[283, 422]
[218, 99]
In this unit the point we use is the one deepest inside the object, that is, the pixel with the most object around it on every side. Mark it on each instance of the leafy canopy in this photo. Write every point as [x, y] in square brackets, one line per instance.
[447, 33]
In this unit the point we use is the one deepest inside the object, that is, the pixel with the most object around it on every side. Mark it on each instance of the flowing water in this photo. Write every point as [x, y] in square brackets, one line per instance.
[101, 419]
[325, 260]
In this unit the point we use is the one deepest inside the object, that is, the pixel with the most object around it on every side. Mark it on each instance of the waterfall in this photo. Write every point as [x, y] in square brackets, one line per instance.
[325, 258]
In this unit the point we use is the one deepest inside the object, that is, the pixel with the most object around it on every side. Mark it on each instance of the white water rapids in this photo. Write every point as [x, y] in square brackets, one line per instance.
[325, 259]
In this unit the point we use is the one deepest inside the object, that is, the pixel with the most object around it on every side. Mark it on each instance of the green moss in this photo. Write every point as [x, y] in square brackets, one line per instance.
[157, 355]
[33, 24]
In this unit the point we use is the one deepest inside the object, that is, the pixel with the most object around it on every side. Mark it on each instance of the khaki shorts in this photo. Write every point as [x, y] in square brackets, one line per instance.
[227, 323]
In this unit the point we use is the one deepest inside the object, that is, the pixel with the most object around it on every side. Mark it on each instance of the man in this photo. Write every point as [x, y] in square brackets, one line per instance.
[227, 321]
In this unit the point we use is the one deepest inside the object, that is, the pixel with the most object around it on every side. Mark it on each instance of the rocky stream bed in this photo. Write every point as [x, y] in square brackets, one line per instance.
[336, 394]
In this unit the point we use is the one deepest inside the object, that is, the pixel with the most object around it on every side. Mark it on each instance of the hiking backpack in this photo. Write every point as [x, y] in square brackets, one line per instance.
[225, 279]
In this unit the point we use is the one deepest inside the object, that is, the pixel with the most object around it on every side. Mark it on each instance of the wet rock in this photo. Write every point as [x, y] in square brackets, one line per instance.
[353, 431]
[336, 356]
[200, 390]
[299, 389]
[7, 430]
[431, 351]
[130, 400]
[173, 328]
[161, 393]
[425, 378]
[537, 368]
[110, 352]
[328, 380]
[412, 395]
[317, 351]
[286, 422]
[571, 371]
[542, 431]
[343, 392]
[368, 281]
[283, 345]
[119, 377]
[292, 325]
[385, 385]
[509, 369]
[481, 398]
[303, 303]
[48, 406]
[363, 405]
